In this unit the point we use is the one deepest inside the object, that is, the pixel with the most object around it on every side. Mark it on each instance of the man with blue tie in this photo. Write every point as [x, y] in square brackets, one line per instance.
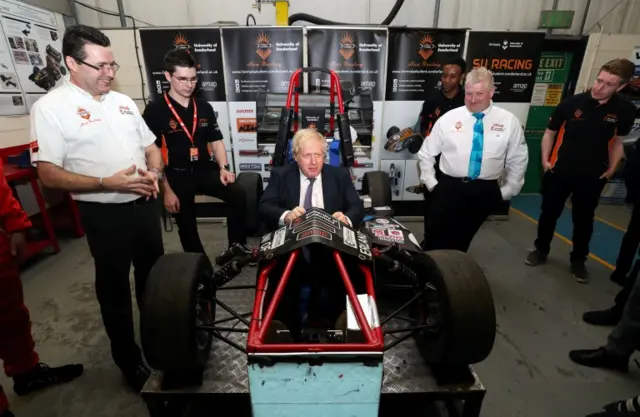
[310, 182]
[483, 159]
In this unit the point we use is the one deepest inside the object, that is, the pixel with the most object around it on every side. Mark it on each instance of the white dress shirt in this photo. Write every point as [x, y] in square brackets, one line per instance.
[317, 197]
[504, 148]
[85, 136]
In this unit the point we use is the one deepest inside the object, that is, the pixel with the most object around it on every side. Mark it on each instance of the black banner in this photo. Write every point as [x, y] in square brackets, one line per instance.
[260, 58]
[356, 55]
[203, 43]
[416, 58]
[513, 57]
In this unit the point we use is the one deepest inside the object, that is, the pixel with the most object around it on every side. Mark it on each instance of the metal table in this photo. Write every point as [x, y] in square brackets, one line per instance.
[408, 382]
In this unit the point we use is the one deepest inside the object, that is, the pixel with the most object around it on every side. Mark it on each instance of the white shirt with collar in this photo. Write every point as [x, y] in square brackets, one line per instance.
[85, 136]
[317, 197]
[504, 148]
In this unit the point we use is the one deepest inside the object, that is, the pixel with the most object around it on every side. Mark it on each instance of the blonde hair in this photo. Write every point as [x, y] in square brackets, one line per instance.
[303, 136]
[480, 75]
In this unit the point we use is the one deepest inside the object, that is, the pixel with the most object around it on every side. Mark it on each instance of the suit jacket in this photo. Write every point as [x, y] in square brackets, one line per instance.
[283, 193]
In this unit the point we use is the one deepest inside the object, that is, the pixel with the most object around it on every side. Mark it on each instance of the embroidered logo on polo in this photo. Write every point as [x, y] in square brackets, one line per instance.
[611, 118]
[125, 110]
[173, 124]
[458, 125]
[577, 114]
[86, 115]
[204, 122]
[82, 112]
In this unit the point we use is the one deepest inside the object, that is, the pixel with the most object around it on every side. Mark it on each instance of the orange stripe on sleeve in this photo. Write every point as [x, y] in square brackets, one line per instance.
[556, 147]
[165, 151]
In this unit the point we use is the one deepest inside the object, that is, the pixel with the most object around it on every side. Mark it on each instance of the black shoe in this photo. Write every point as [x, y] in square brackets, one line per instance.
[600, 358]
[579, 272]
[7, 413]
[43, 376]
[619, 279]
[137, 376]
[602, 318]
[536, 258]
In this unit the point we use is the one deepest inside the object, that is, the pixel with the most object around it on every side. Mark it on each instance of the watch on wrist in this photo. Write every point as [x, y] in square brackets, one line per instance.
[101, 183]
[158, 172]
[227, 167]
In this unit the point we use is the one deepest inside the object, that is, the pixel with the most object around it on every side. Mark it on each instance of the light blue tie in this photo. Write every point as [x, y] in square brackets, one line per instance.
[475, 162]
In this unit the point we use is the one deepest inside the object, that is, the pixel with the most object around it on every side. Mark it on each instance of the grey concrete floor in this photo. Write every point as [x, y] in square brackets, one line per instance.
[527, 374]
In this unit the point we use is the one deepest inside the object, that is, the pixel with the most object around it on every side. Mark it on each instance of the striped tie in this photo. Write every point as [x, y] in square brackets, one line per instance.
[475, 162]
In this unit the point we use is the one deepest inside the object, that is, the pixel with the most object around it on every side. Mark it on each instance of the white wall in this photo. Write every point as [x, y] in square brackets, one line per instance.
[473, 14]
[601, 49]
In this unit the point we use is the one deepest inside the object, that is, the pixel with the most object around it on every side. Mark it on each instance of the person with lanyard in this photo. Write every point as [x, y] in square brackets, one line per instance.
[91, 141]
[581, 150]
[195, 156]
[477, 143]
[449, 96]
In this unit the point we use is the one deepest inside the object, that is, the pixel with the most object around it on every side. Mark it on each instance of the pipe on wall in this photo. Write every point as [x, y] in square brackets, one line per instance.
[584, 17]
[436, 14]
[74, 10]
[123, 20]
[554, 7]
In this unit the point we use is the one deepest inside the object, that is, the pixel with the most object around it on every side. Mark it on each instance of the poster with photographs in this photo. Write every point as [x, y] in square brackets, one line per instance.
[11, 98]
[35, 46]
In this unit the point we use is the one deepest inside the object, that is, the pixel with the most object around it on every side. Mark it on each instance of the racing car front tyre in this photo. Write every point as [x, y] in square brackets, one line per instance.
[465, 311]
[178, 297]
[377, 186]
[251, 183]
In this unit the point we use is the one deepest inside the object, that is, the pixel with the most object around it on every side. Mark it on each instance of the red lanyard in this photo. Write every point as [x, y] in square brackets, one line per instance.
[191, 134]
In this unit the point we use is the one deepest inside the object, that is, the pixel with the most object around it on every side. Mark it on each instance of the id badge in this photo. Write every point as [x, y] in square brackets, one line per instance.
[194, 154]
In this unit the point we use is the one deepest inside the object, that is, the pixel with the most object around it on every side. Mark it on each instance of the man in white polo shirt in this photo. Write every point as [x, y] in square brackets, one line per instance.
[477, 143]
[93, 142]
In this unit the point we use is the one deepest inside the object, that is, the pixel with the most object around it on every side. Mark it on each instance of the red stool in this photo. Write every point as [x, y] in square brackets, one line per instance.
[14, 174]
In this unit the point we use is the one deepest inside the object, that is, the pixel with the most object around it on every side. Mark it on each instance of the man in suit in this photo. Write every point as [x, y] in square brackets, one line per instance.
[295, 188]
[314, 294]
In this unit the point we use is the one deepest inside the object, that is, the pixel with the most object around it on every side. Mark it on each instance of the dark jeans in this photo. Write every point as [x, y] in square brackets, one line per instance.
[120, 235]
[188, 182]
[585, 195]
[457, 210]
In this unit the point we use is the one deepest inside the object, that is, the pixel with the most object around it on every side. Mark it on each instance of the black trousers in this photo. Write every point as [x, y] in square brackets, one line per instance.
[585, 195]
[188, 182]
[120, 235]
[628, 249]
[428, 199]
[457, 210]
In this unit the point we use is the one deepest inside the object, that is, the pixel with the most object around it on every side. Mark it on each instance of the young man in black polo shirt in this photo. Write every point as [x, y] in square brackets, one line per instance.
[440, 101]
[581, 150]
[194, 152]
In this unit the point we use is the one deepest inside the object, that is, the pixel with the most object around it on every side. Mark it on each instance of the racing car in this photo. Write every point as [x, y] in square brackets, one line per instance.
[374, 278]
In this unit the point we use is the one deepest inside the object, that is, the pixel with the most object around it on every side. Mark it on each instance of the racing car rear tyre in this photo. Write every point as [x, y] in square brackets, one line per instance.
[251, 183]
[467, 312]
[178, 295]
[377, 186]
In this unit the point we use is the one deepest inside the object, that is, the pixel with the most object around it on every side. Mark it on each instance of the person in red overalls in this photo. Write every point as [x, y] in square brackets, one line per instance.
[21, 361]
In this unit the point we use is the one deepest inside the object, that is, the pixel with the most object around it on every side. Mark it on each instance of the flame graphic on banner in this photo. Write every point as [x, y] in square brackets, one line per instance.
[426, 47]
[263, 45]
[181, 42]
[347, 46]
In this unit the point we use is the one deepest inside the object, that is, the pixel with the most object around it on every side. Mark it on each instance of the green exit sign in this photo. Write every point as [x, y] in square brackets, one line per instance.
[556, 19]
